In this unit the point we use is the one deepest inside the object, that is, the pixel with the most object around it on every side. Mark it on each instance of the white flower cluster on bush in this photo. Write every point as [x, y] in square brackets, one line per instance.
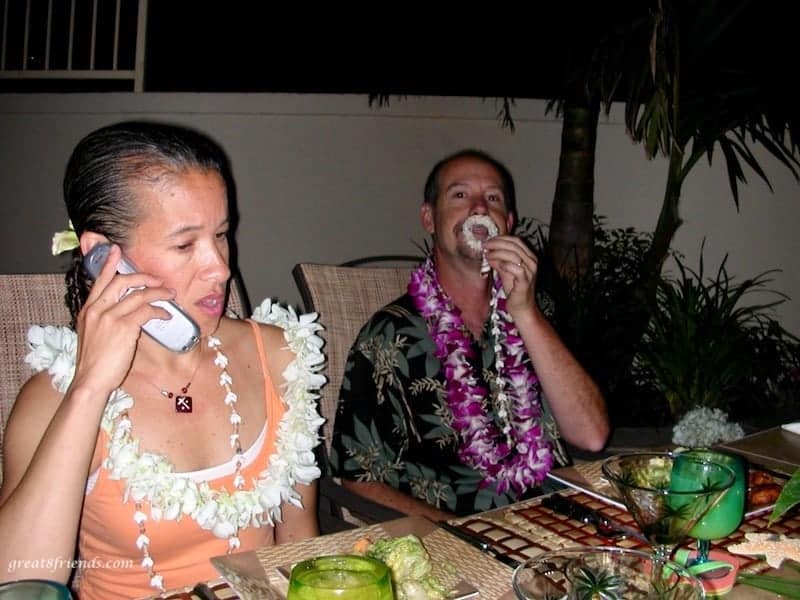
[703, 426]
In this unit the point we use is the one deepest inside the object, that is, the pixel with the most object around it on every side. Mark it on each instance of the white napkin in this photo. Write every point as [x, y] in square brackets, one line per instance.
[792, 427]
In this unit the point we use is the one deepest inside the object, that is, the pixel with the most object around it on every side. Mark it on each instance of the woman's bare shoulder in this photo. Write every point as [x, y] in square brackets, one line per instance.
[33, 410]
[37, 399]
[240, 331]
[238, 337]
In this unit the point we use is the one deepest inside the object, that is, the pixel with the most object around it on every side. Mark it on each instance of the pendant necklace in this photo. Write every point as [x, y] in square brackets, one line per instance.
[183, 401]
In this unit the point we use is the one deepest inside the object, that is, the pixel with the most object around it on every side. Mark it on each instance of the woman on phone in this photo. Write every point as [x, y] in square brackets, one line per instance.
[148, 460]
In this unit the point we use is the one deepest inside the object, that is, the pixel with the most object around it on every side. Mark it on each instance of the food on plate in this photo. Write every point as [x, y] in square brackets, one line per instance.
[758, 477]
[654, 473]
[764, 494]
[762, 489]
[410, 564]
[480, 224]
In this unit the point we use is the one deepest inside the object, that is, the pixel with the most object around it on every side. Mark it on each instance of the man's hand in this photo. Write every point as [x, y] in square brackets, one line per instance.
[517, 267]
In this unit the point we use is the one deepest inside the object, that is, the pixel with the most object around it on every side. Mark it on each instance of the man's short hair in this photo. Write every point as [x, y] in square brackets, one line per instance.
[432, 182]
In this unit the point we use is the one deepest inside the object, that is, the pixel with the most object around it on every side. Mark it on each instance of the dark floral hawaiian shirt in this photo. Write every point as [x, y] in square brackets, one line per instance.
[393, 423]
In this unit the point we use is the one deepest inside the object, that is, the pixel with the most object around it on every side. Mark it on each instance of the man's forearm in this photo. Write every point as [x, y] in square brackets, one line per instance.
[389, 496]
[576, 402]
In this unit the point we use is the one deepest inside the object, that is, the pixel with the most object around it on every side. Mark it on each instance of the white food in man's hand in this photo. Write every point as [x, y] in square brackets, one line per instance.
[479, 222]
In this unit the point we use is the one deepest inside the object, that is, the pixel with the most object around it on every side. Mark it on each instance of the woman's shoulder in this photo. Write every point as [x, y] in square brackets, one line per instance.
[241, 333]
[37, 400]
[244, 337]
[40, 384]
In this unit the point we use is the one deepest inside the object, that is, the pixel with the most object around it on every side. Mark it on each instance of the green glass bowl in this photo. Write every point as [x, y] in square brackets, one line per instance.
[340, 577]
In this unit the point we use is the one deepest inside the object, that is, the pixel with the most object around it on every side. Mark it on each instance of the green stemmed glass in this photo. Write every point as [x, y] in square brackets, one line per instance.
[726, 515]
[340, 577]
[667, 494]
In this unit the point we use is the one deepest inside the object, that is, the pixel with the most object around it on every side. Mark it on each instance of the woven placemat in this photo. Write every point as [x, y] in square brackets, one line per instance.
[528, 528]
[452, 558]
[592, 472]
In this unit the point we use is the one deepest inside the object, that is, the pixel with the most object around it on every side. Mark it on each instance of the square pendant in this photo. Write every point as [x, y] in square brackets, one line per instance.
[183, 404]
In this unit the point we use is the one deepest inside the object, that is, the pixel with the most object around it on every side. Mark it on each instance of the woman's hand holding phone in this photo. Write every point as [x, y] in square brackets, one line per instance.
[109, 324]
[178, 332]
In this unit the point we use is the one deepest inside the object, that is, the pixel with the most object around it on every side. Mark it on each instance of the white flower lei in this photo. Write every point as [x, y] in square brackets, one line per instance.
[522, 456]
[150, 477]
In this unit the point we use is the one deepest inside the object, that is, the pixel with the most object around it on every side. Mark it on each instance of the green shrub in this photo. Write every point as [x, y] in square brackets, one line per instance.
[595, 316]
[705, 346]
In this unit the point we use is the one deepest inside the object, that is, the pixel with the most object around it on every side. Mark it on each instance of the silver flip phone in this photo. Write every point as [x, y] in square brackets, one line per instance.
[179, 334]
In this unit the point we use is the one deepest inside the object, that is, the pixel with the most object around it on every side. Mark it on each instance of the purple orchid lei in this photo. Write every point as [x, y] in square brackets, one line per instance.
[519, 456]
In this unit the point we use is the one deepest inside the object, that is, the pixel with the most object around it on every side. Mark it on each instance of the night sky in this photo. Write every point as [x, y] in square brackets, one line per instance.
[253, 49]
[494, 51]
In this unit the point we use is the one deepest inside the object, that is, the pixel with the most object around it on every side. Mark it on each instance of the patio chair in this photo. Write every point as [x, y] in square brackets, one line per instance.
[345, 298]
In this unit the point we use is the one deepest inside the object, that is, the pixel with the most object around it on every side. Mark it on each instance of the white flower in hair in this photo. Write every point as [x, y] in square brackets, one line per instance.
[64, 241]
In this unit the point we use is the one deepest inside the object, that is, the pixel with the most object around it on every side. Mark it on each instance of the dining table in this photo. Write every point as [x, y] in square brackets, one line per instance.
[512, 533]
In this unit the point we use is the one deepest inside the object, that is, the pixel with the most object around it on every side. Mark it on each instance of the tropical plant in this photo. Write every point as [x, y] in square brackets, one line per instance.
[594, 54]
[705, 347]
[592, 314]
[695, 91]
[688, 90]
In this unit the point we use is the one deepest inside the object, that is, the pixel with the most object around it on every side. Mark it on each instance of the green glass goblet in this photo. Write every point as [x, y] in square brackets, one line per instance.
[726, 515]
[667, 494]
[340, 577]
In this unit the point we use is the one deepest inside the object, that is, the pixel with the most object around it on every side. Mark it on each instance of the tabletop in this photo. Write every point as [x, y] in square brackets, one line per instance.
[518, 531]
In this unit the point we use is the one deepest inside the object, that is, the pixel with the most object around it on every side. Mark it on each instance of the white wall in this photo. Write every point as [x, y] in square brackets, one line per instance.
[326, 178]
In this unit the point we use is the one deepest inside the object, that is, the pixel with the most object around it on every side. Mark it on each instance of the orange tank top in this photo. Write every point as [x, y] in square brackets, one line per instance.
[110, 560]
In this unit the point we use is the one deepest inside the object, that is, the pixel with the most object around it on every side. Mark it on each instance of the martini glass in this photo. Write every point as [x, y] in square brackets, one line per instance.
[667, 494]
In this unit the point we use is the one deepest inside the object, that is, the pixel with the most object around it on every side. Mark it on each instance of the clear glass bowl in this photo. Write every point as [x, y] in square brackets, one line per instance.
[602, 572]
[40, 589]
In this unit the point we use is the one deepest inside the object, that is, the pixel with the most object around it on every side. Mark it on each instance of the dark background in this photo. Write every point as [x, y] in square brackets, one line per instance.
[381, 49]
[523, 50]
[486, 50]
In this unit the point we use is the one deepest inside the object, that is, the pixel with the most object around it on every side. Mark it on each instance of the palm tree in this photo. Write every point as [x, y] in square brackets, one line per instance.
[591, 64]
[709, 78]
[694, 77]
